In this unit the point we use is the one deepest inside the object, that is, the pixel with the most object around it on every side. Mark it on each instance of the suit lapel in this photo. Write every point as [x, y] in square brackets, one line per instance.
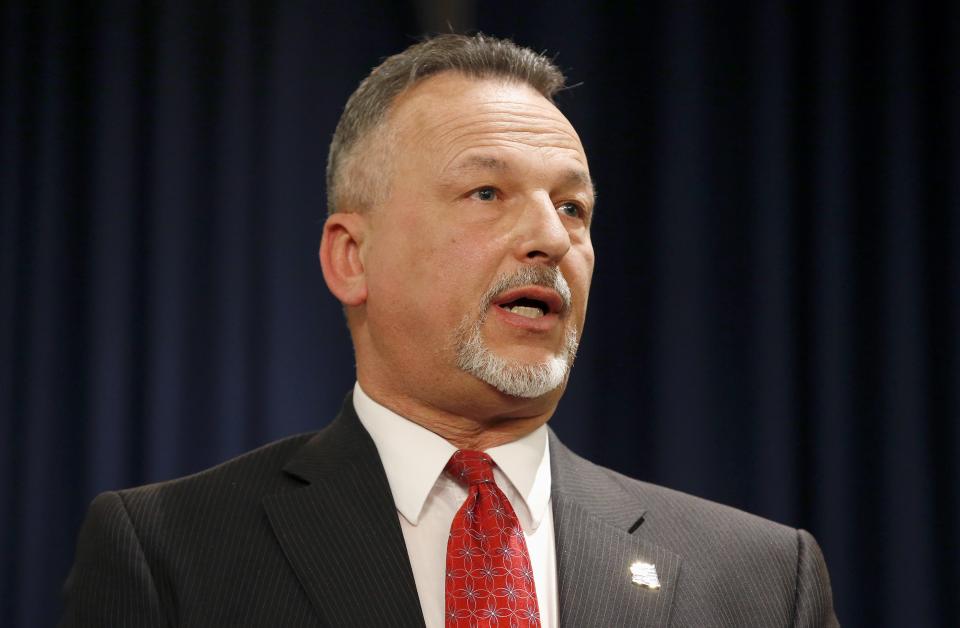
[593, 516]
[341, 535]
[340, 531]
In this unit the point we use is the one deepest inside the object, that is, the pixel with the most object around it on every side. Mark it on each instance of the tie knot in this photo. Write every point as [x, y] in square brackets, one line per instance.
[472, 467]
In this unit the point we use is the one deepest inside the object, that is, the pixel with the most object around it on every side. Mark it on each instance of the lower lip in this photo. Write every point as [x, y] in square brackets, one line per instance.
[544, 323]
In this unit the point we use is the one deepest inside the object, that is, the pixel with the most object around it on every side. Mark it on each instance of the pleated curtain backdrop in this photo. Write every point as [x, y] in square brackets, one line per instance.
[775, 316]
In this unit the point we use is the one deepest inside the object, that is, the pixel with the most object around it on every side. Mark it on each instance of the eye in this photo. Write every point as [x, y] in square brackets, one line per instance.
[571, 209]
[485, 194]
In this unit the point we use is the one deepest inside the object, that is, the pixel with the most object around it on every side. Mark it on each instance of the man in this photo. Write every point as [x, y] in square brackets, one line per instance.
[458, 241]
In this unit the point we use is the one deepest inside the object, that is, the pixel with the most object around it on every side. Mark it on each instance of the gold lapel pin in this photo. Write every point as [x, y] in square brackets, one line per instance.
[645, 575]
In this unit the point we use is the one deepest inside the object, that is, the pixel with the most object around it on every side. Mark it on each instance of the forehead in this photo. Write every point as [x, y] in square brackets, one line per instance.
[447, 115]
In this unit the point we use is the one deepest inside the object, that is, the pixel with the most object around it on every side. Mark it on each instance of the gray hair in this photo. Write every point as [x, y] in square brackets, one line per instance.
[358, 177]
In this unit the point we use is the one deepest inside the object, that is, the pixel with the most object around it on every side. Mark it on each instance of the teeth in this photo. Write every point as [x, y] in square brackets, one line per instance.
[523, 310]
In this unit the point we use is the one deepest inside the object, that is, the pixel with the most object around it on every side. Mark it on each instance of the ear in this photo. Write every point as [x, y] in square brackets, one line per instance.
[340, 257]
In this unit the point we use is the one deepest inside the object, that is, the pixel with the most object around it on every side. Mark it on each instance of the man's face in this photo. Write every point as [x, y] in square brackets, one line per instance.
[478, 264]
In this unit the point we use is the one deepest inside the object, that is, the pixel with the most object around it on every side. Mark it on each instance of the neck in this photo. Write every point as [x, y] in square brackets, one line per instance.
[480, 429]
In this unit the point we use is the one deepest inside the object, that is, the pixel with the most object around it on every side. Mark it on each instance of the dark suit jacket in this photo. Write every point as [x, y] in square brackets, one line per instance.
[304, 532]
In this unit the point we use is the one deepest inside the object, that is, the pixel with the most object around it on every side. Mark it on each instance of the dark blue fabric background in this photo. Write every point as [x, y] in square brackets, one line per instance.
[776, 306]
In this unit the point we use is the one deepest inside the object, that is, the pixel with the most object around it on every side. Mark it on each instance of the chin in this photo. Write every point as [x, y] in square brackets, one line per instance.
[517, 377]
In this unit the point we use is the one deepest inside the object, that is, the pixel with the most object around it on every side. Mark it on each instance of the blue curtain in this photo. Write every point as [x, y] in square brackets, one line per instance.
[775, 317]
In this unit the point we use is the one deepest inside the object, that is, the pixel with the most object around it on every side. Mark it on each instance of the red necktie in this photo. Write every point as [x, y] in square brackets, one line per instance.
[489, 578]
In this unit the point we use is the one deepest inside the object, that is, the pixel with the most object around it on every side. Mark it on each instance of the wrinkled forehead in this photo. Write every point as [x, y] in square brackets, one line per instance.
[448, 111]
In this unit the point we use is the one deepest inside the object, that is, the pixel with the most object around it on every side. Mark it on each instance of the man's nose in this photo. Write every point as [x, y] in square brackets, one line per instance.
[542, 236]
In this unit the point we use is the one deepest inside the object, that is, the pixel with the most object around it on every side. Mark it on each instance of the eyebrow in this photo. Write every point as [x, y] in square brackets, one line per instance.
[574, 176]
[481, 162]
[570, 176]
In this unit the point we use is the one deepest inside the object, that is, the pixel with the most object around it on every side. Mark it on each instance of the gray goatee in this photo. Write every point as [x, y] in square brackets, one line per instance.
[513, 377]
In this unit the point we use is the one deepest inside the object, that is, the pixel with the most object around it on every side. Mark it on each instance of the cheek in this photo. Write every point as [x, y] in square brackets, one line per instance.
[438, 267]
[426, 276]
[452, 271]
[472, 247]
[581, 266]
[579, 278]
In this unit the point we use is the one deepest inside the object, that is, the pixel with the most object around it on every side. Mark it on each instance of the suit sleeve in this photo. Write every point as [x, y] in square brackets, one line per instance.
[814, 600]
[110, 583]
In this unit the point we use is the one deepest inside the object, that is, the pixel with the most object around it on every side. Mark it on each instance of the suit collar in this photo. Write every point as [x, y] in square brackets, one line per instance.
[599, 534]
[340, 531]
[341, 535]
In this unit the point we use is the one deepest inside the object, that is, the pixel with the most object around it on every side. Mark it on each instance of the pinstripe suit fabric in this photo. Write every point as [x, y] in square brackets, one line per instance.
[717, 566]
[303, 532]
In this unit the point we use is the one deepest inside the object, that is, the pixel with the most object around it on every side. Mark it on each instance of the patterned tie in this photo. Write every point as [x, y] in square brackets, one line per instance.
[489, 578]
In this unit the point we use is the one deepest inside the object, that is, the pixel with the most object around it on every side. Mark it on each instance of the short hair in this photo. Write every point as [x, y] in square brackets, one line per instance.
[359, 177]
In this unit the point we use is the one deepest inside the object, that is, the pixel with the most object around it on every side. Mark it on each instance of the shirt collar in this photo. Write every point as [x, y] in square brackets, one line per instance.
[413, 458]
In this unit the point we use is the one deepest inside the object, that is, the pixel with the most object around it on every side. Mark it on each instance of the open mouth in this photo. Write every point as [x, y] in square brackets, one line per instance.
[531, 302]
[530, 308]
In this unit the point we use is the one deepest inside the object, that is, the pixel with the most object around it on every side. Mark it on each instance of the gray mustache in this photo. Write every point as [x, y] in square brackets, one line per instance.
[546, 276]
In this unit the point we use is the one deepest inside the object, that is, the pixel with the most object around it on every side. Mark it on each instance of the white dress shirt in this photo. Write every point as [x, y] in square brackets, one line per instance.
[427, 500]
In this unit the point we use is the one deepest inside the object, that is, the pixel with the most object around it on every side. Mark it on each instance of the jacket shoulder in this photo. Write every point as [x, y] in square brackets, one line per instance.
[667, 513]
[736, 568]
[219, 498]
[736, 565]
[170, 544]
[257, 470]
[695, 514]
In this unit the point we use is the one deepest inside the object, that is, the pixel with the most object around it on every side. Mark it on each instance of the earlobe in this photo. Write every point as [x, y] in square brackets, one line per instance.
[340, 257]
